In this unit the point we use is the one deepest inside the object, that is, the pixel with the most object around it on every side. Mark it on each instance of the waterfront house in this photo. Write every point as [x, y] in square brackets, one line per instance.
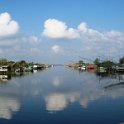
[3, 73]
[120, 68]
[90, 66]
[3, 69]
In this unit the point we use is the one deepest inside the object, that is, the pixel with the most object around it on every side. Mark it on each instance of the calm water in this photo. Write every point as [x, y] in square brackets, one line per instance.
[60, 96]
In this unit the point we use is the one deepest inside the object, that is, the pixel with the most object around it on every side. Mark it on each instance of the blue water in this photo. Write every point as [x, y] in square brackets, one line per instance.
[61, 95]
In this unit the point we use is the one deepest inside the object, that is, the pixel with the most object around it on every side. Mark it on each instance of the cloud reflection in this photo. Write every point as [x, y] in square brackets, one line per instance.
[56, 102]
[83, 94]
[8, 106]
[59, 101]
[56, 81]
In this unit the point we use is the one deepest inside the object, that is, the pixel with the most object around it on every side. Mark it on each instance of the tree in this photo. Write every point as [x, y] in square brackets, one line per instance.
[96, 62]
[3, 61]
[121, 61]
[107, 64]
[81, 62]
[23, 63]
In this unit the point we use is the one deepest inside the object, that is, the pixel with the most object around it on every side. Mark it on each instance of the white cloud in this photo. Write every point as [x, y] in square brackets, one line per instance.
[83, 27]
[54, 28]
[8, 26]
[89, 41]
[35, 50]
[113, 34]
[33, 39]
[8, 42]
[56, 49]
[21, 47]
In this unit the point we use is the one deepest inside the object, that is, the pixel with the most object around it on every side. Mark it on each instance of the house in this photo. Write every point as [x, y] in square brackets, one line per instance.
[90, 66]
[3, 73]
[3, 69]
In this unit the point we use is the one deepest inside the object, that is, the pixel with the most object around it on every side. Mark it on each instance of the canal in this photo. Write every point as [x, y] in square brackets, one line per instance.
[61, 95]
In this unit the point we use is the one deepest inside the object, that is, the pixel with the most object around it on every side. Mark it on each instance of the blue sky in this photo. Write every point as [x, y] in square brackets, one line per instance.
[101, 29]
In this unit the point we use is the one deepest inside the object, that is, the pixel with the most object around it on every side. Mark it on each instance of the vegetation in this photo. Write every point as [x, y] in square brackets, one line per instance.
[80, 62]
[19, 65]
[107, 64]
[3, 61]
[121, 61]
[97, 61]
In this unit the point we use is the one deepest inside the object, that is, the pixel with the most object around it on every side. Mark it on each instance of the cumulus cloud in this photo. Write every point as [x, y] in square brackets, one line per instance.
[83, 27]
[56, 49]
[57, 29]
[93, 43]
[112, 40]
[88, 40]
[54, 28]
[8, 26]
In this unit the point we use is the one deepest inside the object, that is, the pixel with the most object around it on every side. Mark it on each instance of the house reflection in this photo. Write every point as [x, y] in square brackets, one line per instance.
[5, 77]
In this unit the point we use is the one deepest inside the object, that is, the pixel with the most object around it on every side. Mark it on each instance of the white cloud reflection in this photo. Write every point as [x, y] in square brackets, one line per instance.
[59, 101]
[56, 81]
[8, 106]
[56, 102]
[88, 92]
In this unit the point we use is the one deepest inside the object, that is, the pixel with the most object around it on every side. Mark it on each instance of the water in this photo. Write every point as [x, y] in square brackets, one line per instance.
[62, 95]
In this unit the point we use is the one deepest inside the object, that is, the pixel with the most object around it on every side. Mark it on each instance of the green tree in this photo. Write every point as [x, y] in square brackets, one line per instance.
[121, 61]
[108, 64]
[96, 61]
[3, 61]
[80, 62]
[23, 63]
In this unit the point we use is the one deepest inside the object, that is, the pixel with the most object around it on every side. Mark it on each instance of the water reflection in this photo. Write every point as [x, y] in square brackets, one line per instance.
[5, 77]
[55, 102]
[59, 101]
[57, 81]
[58, 88]
[89, 90]
[8, 106]
[9, 103]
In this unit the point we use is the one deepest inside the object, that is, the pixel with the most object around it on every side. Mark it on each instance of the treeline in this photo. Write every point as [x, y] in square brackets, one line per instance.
[18, 65]
[105, 63]
[109, 63]
[100, 65]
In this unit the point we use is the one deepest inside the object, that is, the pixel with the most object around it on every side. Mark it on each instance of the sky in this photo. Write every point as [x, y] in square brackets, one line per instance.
[61, 31]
